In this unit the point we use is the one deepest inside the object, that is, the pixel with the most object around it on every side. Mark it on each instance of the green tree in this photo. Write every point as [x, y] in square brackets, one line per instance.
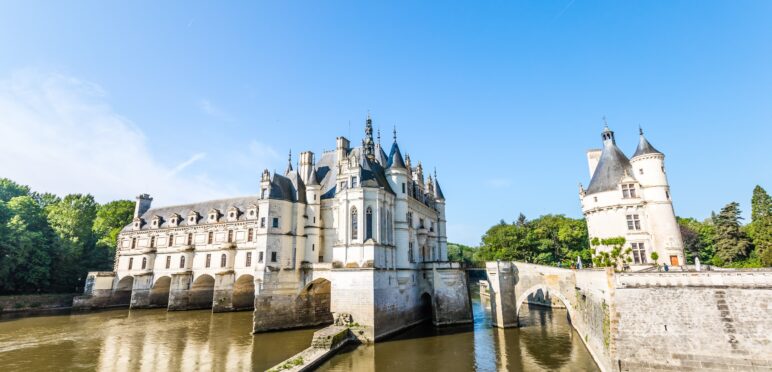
[614, 255]
[10, 189]
[110, 219]
[464, 254]
[72, 219]
[31, 243]
[699, 239]
[760, 228]
[732, 244]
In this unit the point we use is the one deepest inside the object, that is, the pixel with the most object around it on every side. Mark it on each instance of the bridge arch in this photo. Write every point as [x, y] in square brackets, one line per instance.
[244, 293]
[548, 292]
[202, 292]
[122, 291]
[159, 293]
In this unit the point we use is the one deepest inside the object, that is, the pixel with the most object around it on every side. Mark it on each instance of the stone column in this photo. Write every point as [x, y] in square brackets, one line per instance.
[502, 277]
[451, 295]
[140, 293]
[179, 291]
[223, 292]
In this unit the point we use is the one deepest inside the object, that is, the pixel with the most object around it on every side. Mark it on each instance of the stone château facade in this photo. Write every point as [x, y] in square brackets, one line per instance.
[630, 198]
[358, 232]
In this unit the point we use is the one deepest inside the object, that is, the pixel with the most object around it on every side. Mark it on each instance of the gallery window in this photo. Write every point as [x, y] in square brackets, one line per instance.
[250, 234]
[131, 262]
[639, 253]
[171, 240]
[210, 238]
[273, 256]
[168, 262]
[190, 238]
[275, 222]
[182, 262]
[208, 260]
[249, 259]
[223, 260]
[262, 222]
[368, 223]
[144, 263]
[633, 222]
[230, 236]
[354, 223]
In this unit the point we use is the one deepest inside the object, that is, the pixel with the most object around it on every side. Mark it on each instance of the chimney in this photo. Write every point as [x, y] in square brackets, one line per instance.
[593, 157]
[306, 165]
[143, 204]
[342, 148]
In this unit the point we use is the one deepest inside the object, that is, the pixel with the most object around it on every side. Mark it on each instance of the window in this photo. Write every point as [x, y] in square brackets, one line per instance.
[313, 247]
[252, 212]
[369, 223]
[131, 262]
[192, 219]
[250, 234]
[263, 193]
[262, 222]
[190, 238]
[208, 260]
[273, 256]
[403, 187]
[633, 222]
[431, 226]
[410, 252]
[155, 223]
[639, 253]
[223, 260]
[168, 262]
[144, 263]
[275, 222]
[230, 236]
[628, 191]
[182, 262]
[210, 238]
[353, 181]
[354, 223]
[260, 257]
[420, 223]
[133, 243]
[232, 215]
[663, 169]
[212, 217]
[596, 199]
[667, 195]
[171, 240]
[640, 170]
[249, 259]
[152, 242]
[343, 185]
[410, 219]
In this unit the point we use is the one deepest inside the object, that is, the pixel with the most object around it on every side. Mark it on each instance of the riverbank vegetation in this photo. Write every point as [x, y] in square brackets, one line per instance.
[48, 243]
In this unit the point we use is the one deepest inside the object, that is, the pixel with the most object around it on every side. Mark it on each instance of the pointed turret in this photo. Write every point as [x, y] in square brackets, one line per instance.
[437, 189]
[395, 155]
[644, 147]
[289, 164]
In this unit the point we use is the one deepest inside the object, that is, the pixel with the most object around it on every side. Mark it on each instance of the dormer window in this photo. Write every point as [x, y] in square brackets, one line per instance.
[156, 222]
[628, 191]
[174, 220]
[214, 215]
[192, 218]
[233, 214]
[252, 212]
[137, 223]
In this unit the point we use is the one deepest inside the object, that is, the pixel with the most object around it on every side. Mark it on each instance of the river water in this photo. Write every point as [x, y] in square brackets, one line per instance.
[154, 340]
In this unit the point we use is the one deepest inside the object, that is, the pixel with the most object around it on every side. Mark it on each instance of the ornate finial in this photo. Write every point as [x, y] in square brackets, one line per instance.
[605, 123]
[289, 162]
[640, 129]
[379, 136]
[367, 143]
[395, 133]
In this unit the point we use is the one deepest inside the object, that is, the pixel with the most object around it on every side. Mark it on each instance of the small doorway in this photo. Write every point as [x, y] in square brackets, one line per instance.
[673, 260]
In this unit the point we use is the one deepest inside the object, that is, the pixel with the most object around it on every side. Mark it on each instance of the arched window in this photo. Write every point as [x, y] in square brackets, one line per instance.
[230, 236]
[354, 223]
[182, 262]
[131, 262]
[369, 223]
[144, 263]
[223, 260]
[171, 240]
[190, 238]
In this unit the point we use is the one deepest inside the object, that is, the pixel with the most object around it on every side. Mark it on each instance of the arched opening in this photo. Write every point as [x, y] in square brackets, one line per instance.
[244, 293]
[316, 297]
[354, 223]
[202, 292]
[426, 312]
[542, 325]
[122, 292]
[544, 296]
[159, 294]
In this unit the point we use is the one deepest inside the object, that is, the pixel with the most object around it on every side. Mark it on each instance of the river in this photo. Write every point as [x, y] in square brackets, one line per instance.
[156, 340]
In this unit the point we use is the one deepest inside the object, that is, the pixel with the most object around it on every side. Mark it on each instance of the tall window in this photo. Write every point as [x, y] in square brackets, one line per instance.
[273, 256]
[168, 262]
[210, 238]
[152, 242]
[639, 253]
[368, 223]
[260, 257]
[354, 223]
[353, 181]
[633, 222]
[250, 234]
[190, 238]
[389, 227]
[144, 263]
[171, 240]
[628, 191]
[276, 222]
[131, 262]
[223, 260]
[403, 187]
[249, 259]
[262, 222]
[230, 236]
[208, 260]
[410, 252]
[133, 243]
[182, 262]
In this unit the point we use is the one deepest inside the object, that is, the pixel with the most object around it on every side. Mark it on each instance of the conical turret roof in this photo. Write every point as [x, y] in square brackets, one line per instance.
[644, 147]
[612, 166]
[395, 158]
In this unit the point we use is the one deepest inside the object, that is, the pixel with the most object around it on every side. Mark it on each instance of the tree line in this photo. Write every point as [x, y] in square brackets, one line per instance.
[48, 243]
[721, 240]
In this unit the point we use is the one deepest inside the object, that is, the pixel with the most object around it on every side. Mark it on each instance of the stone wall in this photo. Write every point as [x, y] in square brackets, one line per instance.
[694, 321]
[35, 302]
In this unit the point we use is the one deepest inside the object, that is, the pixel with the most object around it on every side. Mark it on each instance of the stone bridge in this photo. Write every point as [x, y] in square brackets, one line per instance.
[718, 320]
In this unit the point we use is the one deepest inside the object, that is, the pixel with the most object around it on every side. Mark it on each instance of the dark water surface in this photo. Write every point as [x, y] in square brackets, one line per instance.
[154, 340]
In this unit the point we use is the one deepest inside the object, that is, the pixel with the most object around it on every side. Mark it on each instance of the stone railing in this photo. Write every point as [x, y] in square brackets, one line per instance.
[755, 279]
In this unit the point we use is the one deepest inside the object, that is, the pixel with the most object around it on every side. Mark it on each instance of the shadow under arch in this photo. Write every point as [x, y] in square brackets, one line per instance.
[316, 297]
[159, 293]
[244, 293]
[548, 292]
[202, 292]
[426, 308]
[547, 341]
[122, 293]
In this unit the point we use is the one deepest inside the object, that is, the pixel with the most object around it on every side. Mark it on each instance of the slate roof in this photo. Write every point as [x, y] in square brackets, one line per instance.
[203, 208]
[395, 158]
[610, 170]
[644, 147]
[438, 190]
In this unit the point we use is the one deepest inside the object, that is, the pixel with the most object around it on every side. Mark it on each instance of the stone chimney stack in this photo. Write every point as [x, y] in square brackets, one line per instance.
[306, 165]
[143, 205]
[342, 148]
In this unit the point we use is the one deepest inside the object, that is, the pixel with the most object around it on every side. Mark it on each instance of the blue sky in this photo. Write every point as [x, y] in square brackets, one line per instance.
[189, 101]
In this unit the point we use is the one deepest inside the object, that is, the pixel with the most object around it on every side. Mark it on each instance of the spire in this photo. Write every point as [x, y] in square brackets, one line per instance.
[644, 147]
[395, 134]
[368, 146]
[289, 163]
[607, 134]
[437, 189]
[379, 137]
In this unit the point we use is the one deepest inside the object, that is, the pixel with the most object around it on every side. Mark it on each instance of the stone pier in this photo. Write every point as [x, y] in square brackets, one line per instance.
[179, 291]
[140, 292]
[223, 292]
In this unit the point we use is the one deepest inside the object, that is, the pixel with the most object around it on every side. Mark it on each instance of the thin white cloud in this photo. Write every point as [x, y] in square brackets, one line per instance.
[498, 183]
[213, 110]
[60, 135]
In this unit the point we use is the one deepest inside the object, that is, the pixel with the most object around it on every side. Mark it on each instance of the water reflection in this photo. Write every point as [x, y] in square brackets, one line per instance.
[546, 341]
[154, 340]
